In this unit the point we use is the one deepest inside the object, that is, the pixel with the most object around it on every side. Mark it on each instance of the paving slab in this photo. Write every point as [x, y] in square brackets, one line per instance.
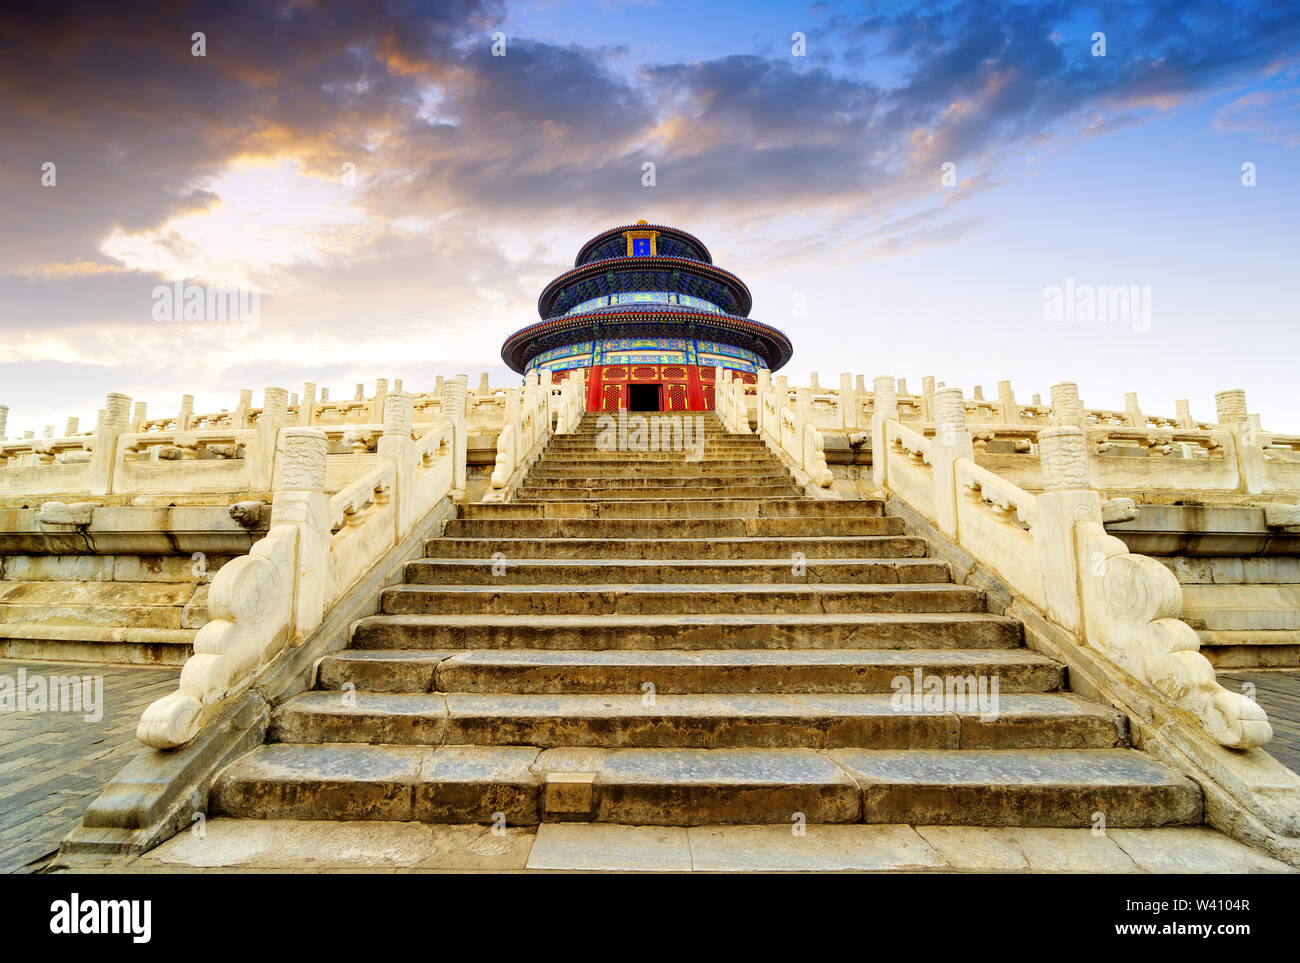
[53, 764]
[312, 844]
[1018, 849]
[820, 848]
[597, 847]
[1192, 849]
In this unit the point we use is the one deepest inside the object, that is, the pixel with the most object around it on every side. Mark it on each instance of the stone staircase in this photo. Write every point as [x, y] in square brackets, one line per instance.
[1240, 577]
[658, 638]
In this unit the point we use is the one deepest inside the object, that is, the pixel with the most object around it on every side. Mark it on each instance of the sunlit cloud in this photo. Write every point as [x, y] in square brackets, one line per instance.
[265, 221]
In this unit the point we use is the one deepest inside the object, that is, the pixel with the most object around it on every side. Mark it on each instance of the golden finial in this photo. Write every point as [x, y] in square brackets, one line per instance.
[643, 221]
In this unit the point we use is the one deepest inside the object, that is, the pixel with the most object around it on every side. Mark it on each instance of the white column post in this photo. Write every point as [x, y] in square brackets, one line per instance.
[301, 502]
[884, 407]
[1067, 499]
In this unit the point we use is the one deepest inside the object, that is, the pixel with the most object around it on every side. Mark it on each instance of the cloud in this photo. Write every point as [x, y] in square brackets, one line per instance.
[472, 171]
[1263, 115]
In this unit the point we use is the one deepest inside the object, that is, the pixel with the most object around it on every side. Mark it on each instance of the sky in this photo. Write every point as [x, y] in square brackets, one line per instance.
[906, 188]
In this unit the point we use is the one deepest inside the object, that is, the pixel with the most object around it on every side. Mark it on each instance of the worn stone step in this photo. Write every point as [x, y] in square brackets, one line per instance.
[468, 784]
[827, 546]
[736, 451]
[687, 787]
[680, 671]
[878, 630]
[693, 787]
[670, 496]
[708, 720]
[783, 507]
[659, 599]
[664, 478]
[1020, 788]
[598, 435]
[655, 462]
[124, 604]
[1229, 608]
[1263, 649]
[507, 571]
[681, 527]
[738, 443]
[456, 784]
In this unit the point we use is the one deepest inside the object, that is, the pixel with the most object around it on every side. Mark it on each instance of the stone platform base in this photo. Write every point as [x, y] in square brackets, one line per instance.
[262, 845]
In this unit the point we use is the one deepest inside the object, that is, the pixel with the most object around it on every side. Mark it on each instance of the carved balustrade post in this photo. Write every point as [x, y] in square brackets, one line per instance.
[454, 395]
[1067, 499]
[545, 381]
[1068, 411]
[1232, 416]
[764, 391]
[275, 415]
[397, 446]
[306, 410]
[1133, 412]
[884, 406]
[951, 441]
[300, 501]
[115, 420]
[803, 416]
[848, 402]
[1009, 410]
[927, 398]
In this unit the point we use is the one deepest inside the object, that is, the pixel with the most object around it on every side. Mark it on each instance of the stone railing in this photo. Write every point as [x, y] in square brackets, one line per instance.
[789, 431]
[852, 406]
[729, 402]
[1052, 549]
[195, 455]
[315, 549]
[527, 424]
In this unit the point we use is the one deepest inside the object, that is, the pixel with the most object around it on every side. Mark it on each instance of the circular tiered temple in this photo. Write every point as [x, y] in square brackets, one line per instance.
[650, 318]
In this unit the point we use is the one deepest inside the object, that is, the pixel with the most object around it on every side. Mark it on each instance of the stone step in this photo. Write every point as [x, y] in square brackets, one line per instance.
[507, 571]
[697, 721]
[661, 478]
[661, 599]
[463, 784]
[636, 508]
[720, 450]
[878, 630]
[1230, 608]
[678, 671]
[1254, 649]
[711, 433]
[682, 527]
[690, 787]
[106, 604]
[744, 549]
[1020, 788]
[671, 496]
[655, 463]
[633, 445]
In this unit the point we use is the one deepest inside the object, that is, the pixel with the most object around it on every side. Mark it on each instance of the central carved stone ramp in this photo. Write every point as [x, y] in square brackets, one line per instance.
[685, 638]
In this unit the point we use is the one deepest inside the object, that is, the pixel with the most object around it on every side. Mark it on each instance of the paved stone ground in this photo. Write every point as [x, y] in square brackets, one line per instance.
[271, 845]
[1278, 691]
[53, 764]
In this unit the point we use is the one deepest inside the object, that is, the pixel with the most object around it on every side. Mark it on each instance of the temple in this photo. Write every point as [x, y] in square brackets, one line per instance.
[651, 318]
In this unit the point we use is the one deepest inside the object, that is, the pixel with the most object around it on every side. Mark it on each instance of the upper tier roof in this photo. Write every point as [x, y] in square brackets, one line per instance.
[672, 242]
[619, 274]
[647, 320]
